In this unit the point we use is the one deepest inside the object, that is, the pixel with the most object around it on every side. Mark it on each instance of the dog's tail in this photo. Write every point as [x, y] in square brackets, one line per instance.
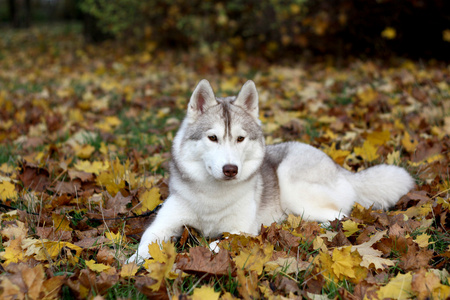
[381, 185]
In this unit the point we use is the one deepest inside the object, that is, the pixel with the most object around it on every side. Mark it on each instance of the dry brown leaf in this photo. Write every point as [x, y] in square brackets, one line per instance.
[202, 260]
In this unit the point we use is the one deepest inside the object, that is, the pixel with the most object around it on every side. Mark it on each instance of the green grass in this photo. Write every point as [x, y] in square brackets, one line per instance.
[149, 130]
[7, 154]
[124, 290]
[93, 139]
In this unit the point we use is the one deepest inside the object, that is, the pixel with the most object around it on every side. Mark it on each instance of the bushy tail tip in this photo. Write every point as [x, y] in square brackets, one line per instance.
[381, 185]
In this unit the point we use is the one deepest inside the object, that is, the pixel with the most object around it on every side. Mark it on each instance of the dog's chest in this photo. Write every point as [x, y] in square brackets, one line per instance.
[214, 224]
[228, 213]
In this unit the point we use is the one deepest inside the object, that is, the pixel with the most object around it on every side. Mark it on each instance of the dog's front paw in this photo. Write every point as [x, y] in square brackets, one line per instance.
[139, 257]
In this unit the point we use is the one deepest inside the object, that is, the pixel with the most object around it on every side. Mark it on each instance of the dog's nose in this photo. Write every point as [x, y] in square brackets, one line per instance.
[230, 170]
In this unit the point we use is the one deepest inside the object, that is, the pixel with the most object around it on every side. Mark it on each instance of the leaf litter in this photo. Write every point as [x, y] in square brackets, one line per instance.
[85, 135]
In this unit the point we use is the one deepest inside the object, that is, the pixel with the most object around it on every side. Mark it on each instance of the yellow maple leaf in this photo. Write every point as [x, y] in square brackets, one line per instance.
[91, 167]
[440, 292]
[367, 96]
[150, 199]
[84, 151]
[422, 240]
[91, 264]
[344, 263]
[60, 222]
[255, 258]
[425, 209]
[445, 202]
[350, 227]
[393, 158]
[129, 270]
[16, 230]
[6, 168]
[160, 266]
[75, 115]
[428, 160]
[51, 250]
[389, 33]
[319, 243]
[409, 143]
[325, 263]
[115, 237]
[368, 152]
[8, 191]
[13, 253]
[337, 155]
[205, 293]
[378, 138]
[112, 183]
[398, 287]
[113, 179]
[108, 124]
[154, 161]
[294, 221]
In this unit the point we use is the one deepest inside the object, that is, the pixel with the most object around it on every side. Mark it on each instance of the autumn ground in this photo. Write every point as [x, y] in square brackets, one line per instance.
[85, 134]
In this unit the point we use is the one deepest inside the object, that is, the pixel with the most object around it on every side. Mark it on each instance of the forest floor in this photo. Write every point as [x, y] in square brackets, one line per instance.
[85, 137]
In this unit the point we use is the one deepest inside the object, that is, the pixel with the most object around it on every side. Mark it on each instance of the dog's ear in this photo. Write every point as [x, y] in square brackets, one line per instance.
[248, 99]
[202, 98]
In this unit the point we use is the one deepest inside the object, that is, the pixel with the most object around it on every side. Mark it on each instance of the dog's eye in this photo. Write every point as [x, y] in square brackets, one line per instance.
[240, 139]
[212, 138]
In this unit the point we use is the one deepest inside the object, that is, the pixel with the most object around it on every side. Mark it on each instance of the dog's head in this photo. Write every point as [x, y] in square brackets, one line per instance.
[220, 138]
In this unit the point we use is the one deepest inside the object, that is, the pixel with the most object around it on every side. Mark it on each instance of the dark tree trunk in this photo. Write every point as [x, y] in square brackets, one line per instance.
[91, 31]
[20, 13]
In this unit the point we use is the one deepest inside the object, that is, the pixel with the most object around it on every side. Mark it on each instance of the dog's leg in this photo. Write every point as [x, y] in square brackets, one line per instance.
[168, 223]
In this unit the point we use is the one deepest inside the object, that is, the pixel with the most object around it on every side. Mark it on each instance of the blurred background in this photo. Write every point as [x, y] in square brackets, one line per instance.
[272, 30]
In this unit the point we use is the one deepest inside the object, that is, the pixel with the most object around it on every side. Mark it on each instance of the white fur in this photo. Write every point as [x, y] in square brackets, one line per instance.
[270, 182]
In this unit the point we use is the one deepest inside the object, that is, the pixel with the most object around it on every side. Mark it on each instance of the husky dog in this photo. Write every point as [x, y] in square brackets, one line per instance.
[224, 179]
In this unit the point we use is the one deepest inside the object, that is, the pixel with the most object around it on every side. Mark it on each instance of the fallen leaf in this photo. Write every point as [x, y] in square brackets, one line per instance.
[150, 199]
[201, 260]
[60, 222]
[160, 266]
[34, 279]
[398, 287]
[205, 292]
[422, 240]
[248, 285]
[13, 253]
[254, 259]
[350, 227]
[8, 191]
[378, 138]
[288, 265]
[409, 143]
[367, 152]
[95, 167]
[129, 270]
[84, 151]
[96, 267]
